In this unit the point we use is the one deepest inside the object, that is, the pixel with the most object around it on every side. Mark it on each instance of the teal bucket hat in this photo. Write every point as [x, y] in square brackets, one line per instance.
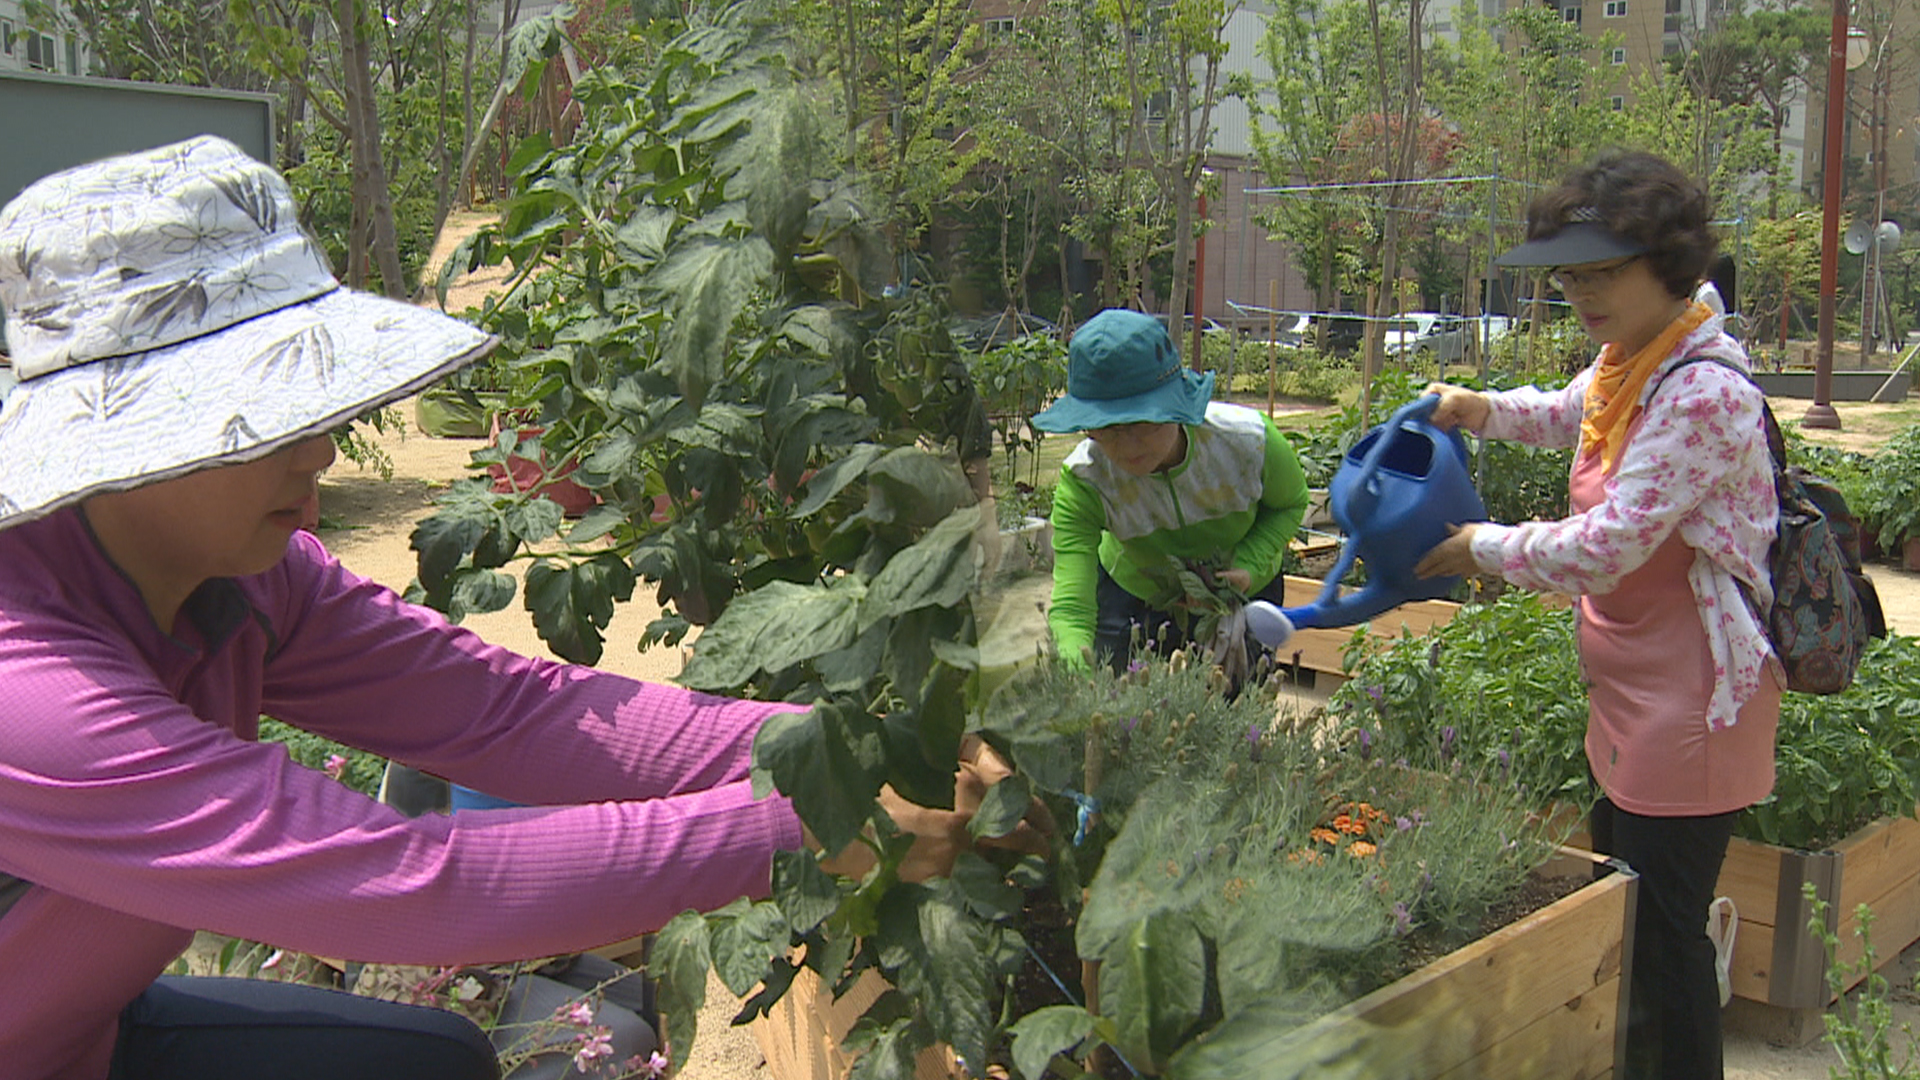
[1122, 368]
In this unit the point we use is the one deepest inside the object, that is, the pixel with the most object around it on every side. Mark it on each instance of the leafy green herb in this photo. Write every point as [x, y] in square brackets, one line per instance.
[1500, 688]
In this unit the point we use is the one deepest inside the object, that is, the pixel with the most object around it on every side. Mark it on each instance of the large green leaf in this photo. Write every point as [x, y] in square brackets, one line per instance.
[1262, 1043]
[596, 523]
[886, 1040]
[479, 591]
[938, 956]
[533, 520]
[464, 516]
[1153, 985]
[573, 602]
[1003, 808]
[936, 570]
[743, 938]
[678, 961]
[805, 892]
[772, 628]
[985, 887]
[829, 761]
[713, 280]
[848, 670]
[834, 478]
[914, 488]
[1046, 1032]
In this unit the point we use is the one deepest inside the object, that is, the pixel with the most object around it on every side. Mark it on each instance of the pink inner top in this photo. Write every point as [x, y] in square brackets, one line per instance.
[1644, 651]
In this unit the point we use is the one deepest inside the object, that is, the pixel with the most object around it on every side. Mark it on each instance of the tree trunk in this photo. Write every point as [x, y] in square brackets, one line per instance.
[369, 173]
[462, 194]
[477, 135]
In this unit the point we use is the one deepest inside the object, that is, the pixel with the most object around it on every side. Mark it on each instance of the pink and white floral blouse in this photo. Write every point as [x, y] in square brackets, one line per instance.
[1699, 465]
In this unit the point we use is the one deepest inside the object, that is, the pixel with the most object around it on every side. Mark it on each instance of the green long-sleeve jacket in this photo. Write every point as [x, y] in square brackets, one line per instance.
[1235, 501]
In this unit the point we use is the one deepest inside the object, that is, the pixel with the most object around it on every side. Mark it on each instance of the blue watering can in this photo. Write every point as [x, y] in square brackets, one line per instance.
[1393, 497]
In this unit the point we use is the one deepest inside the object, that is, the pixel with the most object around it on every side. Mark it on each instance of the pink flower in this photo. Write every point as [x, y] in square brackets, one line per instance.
[594, 1045]
[577, 1013]
[653, 1066]
[336, 765]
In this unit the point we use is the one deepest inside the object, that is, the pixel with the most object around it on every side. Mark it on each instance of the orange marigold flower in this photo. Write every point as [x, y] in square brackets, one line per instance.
[1346, 824]
[1304, 856]
[1360, 849]
[1325, 836]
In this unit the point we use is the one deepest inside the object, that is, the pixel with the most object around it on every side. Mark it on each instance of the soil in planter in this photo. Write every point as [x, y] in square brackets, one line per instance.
[1049, 934]
[1424, 946]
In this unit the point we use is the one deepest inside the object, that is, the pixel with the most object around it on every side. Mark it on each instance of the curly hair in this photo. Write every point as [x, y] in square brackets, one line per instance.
[1643, 197]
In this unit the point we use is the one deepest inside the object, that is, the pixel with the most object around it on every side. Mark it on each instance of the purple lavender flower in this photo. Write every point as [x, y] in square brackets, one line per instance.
[1366, 743]
[1402, 919]
[1403, 823]
[1505, 759]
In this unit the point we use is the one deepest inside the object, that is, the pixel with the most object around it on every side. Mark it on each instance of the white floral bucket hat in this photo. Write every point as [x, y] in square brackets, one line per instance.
[165, 313]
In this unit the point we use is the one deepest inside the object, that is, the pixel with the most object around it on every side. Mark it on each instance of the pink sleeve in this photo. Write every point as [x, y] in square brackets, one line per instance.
[1537, 417]
[361, 666]
[114, 793]
[1696, 431]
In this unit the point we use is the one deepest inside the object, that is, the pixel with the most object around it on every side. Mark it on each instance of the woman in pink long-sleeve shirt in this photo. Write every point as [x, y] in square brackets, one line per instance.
[183, 351]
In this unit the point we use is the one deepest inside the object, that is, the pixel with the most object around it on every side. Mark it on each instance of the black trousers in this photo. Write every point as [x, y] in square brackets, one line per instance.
[1120, 612]
[185, 1028]
[1673, 1020]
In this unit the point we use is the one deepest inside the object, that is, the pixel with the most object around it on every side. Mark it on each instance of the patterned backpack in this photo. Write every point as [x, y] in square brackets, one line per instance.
[1824, 606]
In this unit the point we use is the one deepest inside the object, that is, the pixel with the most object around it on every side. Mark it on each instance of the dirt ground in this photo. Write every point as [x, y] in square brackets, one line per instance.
[367, 521]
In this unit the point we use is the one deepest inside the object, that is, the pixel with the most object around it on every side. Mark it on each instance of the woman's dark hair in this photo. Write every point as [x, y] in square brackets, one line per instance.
[1645, 198]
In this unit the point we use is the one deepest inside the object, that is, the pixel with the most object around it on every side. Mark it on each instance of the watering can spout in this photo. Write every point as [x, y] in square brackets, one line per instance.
[1273, 625]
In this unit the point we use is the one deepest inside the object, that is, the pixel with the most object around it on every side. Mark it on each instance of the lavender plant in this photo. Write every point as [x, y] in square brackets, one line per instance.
[1246, 875]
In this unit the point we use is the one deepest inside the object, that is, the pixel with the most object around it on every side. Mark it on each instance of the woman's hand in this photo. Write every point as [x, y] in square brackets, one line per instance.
[939, 836]
[1452, 556]
[1459, 407]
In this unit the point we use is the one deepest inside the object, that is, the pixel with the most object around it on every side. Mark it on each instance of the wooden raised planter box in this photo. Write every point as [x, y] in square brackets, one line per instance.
[1779, 968]
[1539, 997]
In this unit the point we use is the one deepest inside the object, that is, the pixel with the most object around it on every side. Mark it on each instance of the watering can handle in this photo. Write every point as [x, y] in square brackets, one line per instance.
[1365, 490]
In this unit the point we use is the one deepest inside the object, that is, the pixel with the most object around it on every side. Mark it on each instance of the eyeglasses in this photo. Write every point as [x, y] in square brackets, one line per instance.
[1583, 281]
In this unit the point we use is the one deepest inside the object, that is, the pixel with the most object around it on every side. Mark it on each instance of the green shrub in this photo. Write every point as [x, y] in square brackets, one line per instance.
[1892, 499]
[1300, 373]
[1502, 683]
[1015, 381]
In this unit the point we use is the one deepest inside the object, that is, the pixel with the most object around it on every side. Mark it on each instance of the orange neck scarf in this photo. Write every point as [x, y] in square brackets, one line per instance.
[1613, 397]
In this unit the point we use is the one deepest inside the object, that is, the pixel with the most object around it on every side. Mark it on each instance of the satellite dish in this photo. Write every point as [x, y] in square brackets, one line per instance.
[1859, 234]
[1887, 236]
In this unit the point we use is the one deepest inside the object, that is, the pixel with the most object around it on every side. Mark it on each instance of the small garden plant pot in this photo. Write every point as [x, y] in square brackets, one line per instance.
[1026, 547]
[522, 473]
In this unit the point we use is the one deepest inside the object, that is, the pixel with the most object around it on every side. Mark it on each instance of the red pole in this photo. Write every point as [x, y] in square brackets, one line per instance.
[1194, 357]
[1821, 413]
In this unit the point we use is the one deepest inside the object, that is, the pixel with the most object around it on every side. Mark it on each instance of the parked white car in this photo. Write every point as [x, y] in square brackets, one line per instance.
[1441, 337]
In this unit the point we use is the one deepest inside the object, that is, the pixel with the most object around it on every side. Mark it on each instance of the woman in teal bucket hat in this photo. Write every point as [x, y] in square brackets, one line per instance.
[1164, 473]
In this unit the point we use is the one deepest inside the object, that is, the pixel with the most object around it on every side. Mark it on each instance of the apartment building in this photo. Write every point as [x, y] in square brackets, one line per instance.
[23, 48]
